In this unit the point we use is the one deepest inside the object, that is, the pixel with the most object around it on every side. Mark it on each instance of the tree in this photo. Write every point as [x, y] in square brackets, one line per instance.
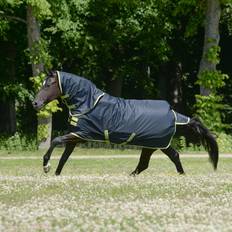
[37, 54]
[9, 84]
[209, 103]
[211, 48]
[34, 41]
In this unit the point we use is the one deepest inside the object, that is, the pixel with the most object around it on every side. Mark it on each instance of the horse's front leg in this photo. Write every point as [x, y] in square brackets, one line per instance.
[69, 147]
[69, 138]
[47, 156]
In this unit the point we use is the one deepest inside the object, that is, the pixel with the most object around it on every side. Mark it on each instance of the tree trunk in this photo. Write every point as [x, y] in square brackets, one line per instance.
[176, 87]
[33, 34]
[115, 88]
[163, 82]
[114, 84]
[7, 107]
[211, 38]
[170, 86]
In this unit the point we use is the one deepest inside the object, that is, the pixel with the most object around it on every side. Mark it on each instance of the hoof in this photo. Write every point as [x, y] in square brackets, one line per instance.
[134, 173]
[47, 167]
[182, 173]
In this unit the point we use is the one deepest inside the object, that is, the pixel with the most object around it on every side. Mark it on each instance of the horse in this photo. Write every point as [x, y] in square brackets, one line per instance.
[96, 116]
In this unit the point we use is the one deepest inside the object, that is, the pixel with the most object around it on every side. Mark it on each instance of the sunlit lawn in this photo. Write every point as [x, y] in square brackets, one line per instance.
[99, 195]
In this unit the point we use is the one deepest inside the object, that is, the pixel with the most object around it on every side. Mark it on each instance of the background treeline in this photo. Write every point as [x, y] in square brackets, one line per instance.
[156, 49]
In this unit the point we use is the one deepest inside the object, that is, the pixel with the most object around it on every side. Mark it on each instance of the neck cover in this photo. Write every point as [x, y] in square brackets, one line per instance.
[79, 94]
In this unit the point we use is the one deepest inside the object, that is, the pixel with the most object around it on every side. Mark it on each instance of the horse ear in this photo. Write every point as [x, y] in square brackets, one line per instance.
[51, 73]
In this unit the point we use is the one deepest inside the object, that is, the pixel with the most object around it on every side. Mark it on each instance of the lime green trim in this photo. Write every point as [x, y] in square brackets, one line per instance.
[179, 123]
[95, 103]
[71, 107]
[103, 141]
[64, 96]
[73, 123]
[129, 139]
[58, 75]
[75, 119]
[107, 139]
[97, 100]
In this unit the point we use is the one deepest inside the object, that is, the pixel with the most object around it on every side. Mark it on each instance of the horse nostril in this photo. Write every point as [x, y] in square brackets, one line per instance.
[34, 103]
[38, 104]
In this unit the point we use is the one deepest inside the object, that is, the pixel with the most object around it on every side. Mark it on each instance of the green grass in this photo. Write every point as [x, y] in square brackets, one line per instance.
[99, 195]
[78, 151]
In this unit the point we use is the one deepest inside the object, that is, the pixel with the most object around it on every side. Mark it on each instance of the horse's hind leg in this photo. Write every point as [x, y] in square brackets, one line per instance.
[174, 157]
[143, 161]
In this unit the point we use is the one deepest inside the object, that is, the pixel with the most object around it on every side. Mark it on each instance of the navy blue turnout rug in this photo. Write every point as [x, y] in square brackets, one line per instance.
[97, 116]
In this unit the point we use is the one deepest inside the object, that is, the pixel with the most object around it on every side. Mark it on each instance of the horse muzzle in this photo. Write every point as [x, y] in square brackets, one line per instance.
[38, 104]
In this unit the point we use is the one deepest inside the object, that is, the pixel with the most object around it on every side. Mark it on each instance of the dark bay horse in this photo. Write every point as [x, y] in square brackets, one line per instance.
[97, 116]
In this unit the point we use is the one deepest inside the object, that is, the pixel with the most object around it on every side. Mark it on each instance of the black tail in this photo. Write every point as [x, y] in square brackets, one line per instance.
[206, 139]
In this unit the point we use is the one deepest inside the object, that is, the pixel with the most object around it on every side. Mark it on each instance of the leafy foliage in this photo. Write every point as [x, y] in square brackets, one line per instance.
[208, 109]
[226, 15]
[107, 40]
[224, 141]
[39, 54]
[12, 91]
[18, 142]
[212, 80]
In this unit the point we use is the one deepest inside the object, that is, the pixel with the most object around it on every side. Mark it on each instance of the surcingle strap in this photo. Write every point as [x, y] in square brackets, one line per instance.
[129, 139]
[73, 120]
[107, 139]
[64, 96]
[71, 107]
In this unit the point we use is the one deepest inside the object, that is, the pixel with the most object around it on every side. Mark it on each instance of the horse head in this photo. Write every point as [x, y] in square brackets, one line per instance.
[49, 91]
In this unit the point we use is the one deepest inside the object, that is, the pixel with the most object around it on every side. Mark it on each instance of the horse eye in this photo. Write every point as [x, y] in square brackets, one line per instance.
[49, 82]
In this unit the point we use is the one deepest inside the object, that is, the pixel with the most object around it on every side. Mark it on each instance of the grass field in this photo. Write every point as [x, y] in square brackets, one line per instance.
[97, 194]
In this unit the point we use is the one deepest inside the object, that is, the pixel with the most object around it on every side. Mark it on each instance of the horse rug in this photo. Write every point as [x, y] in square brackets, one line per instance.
[97, 116]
